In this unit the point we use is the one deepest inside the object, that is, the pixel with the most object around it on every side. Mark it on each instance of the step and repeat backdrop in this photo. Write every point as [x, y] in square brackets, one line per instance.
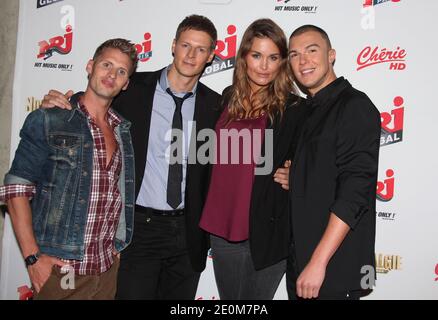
[386, 48]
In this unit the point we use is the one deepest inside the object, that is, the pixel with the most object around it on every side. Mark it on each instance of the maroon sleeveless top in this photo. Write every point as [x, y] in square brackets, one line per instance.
[226, 211]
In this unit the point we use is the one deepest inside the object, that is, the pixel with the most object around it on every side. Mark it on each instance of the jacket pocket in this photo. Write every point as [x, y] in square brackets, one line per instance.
[65, 149]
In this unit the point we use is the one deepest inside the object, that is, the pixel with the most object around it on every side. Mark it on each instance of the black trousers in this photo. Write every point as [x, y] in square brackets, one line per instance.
[156, 264]
[291, 283]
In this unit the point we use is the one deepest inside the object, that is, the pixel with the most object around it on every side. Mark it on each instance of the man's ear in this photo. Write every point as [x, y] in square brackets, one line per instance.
[173, 47]
[211, 57]
[332, 56]
[125, 86]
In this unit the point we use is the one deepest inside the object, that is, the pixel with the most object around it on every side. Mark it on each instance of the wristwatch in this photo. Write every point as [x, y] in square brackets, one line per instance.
[32, 259]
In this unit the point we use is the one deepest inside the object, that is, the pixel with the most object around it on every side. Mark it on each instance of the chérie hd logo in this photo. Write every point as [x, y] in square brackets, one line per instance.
[370, 57]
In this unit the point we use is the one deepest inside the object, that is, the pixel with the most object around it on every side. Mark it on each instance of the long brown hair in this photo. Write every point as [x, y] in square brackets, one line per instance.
[270, 99]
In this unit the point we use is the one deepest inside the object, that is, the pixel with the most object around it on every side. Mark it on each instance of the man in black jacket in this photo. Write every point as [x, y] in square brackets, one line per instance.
[333, 178]
[169, 250]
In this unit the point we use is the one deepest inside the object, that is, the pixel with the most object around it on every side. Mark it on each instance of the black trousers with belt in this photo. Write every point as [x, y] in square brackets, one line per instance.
[156, 264]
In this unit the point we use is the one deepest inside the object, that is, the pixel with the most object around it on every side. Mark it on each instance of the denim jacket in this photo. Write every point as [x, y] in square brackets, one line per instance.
[56, 155]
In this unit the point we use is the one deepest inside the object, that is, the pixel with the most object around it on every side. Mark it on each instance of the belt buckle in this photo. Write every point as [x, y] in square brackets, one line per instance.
[175, 213]
[169, 213]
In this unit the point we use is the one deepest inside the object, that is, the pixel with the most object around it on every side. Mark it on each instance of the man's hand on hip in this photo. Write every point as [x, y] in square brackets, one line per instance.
[40, 272]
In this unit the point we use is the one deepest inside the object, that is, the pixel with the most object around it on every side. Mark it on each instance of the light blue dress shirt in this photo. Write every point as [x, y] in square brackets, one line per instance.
[153, 188]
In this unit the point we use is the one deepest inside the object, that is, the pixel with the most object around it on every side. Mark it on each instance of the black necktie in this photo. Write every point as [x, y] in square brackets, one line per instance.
[175, 167]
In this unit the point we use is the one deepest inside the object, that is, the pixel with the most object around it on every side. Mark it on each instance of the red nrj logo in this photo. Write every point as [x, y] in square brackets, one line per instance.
[371, 56]
[58, 44]
[229, 44]
[25, 293]
[144, 49]
[225, 53]
[436, 272]
[392, 123]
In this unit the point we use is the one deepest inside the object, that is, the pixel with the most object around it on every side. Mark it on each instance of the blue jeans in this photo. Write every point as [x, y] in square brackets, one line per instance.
[235, 275]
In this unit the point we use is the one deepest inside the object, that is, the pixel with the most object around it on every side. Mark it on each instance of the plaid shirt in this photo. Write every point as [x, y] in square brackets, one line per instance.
[16, 190]
[104, 207]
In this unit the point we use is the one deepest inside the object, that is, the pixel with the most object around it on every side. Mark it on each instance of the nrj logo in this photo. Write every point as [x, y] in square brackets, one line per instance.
[61, 44]
[371, 56]
[144, 49]
[24, 293]
[436, 272]
[385, 188]
[225, 53]
[58, 44]
[392, 123]
[370, 3]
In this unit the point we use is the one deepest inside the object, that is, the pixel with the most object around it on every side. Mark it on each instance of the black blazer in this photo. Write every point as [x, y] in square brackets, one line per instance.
[269, 220]
[335, 170]
[135, 105]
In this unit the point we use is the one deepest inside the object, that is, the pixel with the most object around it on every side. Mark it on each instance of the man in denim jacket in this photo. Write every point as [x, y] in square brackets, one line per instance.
[78, 166]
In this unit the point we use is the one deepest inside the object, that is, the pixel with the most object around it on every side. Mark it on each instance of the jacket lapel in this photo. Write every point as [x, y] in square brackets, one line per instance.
[283, 130]
[141, 120]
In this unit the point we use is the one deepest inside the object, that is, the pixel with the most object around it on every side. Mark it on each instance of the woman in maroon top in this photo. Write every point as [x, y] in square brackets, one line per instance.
[246, 211]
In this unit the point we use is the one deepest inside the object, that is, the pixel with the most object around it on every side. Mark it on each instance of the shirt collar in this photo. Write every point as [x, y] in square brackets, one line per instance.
[113, 119]
[329, 92]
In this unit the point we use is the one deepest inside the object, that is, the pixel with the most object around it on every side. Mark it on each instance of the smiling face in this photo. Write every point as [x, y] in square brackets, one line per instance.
[311, 61]
[263, 63]
[191, 52]
[109, 73]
